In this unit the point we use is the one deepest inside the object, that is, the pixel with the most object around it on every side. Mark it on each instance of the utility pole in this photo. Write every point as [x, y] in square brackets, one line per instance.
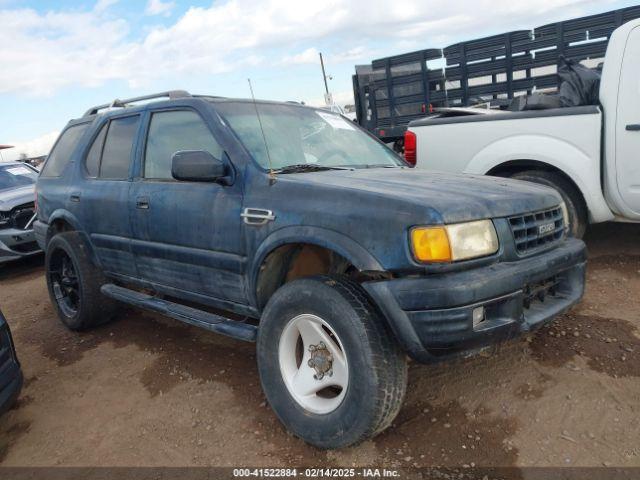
[327, 96]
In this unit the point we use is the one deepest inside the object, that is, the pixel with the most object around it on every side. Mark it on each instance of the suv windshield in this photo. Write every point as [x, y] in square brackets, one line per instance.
[298, 135]
[13, 176]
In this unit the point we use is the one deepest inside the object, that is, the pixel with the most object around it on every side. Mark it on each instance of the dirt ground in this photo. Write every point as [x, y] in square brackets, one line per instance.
[149, 391]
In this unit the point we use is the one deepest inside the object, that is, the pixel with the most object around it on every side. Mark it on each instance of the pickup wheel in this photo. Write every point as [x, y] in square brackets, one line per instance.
[578, 218]
[329, 366]
[74, 283]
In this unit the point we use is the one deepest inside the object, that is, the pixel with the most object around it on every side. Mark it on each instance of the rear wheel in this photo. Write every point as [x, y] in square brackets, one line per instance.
[576, 207]
[329, 366]
[74, 283]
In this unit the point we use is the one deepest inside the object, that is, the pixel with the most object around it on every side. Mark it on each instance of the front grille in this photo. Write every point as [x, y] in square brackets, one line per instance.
[536, 230]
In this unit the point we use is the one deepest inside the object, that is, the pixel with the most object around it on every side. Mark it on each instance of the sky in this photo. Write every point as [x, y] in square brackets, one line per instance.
[59, 58]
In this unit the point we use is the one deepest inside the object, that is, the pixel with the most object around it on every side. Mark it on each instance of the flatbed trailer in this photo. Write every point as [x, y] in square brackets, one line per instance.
[392, 91]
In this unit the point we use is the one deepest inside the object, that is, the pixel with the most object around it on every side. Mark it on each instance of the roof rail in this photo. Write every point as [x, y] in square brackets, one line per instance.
[171, 95]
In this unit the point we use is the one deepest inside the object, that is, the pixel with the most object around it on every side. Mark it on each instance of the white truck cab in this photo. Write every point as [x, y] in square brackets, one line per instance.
[591, 154]
[620, 99]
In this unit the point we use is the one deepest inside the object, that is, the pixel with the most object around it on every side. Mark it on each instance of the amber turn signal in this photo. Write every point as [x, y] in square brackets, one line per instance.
[431, 244]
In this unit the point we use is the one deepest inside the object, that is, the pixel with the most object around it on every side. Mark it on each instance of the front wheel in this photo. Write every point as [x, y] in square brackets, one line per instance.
[329, 366]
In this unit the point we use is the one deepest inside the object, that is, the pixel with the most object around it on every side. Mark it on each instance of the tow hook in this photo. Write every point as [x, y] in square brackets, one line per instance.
[321, 361]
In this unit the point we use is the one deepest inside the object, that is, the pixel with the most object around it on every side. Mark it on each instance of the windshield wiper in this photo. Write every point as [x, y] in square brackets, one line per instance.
[307, 167]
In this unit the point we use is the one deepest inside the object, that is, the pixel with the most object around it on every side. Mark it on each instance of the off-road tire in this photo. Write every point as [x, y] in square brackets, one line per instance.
[576, 207]
[94, 308]
[377, 366]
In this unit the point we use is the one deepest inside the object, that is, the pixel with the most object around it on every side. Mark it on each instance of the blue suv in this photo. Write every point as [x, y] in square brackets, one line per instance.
[292, 227]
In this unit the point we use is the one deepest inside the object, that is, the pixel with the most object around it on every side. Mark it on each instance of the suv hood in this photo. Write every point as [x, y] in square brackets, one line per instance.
[455, 197]
[16, 196]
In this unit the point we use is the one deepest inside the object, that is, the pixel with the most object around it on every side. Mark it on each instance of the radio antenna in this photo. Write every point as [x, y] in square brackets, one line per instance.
[272, 177]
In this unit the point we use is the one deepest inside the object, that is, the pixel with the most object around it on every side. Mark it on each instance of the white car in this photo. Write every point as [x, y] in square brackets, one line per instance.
[588, 153]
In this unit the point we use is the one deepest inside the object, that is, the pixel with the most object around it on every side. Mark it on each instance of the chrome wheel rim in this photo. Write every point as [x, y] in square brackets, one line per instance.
[313, 364]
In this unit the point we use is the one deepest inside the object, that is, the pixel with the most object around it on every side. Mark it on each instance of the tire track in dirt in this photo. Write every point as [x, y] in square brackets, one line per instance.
[610, 345]
[447, 435]
[534, 391]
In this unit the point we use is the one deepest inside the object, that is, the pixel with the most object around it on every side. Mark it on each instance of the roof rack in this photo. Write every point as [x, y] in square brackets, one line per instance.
[171, 95]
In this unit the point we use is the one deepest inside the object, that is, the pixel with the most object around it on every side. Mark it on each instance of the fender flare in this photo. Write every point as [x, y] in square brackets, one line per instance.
[71, 219]
[61, 214]
[345, 246]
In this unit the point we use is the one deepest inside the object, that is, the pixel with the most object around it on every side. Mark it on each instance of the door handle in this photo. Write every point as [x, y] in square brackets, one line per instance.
[257, 216]
[634, 127]
[142, 203]
[74, 197]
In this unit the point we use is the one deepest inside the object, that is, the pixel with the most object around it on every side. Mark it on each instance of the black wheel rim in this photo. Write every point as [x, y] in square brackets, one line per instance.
[64, 282]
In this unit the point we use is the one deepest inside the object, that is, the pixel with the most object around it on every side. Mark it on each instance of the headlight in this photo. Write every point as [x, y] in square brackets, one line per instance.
[565, 216]
[450, 243]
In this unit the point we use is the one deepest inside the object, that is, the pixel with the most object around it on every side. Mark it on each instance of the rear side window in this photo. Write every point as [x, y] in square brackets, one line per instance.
[171, 132]
[92, 162]
[116, 153]
[60, 156]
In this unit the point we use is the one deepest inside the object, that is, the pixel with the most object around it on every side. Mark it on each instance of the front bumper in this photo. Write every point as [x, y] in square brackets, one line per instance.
[432, 315]
[16, 243]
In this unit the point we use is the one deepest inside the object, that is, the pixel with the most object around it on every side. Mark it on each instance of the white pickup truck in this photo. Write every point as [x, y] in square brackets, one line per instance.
[591, 154]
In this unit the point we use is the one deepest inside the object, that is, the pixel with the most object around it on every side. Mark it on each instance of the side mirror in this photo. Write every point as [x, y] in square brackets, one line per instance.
[197, 166]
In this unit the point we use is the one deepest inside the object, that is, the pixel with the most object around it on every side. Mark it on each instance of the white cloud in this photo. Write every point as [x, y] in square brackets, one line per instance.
[44, 52]
[310, 55]
[32, 148]
[158, 7]
[102, 5]
[351, 55]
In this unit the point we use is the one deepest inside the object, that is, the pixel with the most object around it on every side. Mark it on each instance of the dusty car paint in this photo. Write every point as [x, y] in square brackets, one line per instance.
[190, 240]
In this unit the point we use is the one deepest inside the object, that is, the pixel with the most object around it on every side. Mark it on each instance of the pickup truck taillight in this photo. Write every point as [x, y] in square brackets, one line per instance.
[410, 146]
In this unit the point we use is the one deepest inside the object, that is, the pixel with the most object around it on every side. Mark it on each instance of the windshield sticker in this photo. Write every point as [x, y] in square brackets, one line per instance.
[18, 171]
[335, 121]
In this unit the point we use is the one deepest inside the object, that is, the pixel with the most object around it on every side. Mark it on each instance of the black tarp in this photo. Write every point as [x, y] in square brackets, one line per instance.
[535, 101]
[579, 85]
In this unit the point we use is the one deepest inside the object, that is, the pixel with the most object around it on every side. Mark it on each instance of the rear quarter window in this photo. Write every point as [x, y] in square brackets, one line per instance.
[92, 162]
[60, 156]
